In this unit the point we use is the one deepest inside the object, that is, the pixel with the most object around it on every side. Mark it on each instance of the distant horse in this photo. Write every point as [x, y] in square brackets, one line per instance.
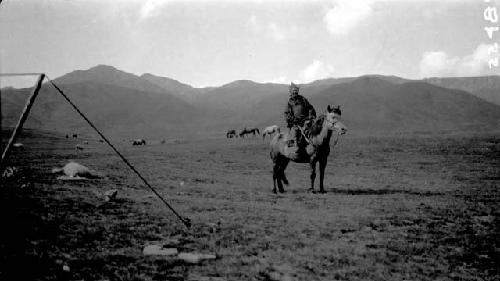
[139, 142]
[231, 134]
[270, 130]
[317, 149]
[249, 131]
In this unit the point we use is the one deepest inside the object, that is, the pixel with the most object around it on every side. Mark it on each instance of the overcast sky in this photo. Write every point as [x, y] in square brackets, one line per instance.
[213, 42]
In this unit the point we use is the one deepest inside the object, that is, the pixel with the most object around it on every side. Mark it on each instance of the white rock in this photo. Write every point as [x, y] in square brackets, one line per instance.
[195, 258]
[18, 145]
[73, 169]
[158, 250]
[110, 194]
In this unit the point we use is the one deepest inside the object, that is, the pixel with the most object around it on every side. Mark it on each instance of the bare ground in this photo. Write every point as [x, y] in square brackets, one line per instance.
[396, 208]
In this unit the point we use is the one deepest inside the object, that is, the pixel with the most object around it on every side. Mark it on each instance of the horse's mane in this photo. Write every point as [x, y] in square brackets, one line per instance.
[317, 125]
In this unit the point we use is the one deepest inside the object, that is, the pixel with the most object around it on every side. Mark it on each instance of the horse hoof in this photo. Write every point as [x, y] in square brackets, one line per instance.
[322, 192]
[282, 191]
[311, 190]
[274, 191]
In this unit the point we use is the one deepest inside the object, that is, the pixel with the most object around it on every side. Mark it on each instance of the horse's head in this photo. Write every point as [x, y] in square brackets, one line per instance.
[332, 120]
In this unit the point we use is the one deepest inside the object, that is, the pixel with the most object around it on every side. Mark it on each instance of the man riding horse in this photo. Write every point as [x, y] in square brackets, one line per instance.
[299, 114]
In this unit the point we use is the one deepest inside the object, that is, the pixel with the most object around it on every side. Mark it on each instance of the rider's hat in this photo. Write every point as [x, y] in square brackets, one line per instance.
[293, 86]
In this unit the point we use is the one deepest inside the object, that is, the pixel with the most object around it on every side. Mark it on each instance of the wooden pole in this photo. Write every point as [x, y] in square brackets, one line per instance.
[21, 121]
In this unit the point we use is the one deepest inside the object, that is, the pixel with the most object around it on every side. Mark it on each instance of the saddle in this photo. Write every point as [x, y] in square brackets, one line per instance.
[297, 143]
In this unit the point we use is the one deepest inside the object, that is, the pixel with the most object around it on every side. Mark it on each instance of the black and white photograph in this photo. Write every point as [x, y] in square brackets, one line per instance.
[228, 140]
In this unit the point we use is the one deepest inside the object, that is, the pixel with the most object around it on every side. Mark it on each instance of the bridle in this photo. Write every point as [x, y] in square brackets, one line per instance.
[331, 126]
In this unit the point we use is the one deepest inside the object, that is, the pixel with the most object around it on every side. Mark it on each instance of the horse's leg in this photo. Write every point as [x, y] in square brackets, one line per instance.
[313, 173]
[281, 161]
[282, 170]
[276, 170]
[322, 166]
[275, 177]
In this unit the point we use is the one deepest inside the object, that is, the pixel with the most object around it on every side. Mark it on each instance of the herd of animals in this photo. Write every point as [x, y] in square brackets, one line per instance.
[268, 131]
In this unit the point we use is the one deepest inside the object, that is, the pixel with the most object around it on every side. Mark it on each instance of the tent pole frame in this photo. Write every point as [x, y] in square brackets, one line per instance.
[20, 122]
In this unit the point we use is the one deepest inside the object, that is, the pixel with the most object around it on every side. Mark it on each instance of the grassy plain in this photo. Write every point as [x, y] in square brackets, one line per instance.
[396, 208]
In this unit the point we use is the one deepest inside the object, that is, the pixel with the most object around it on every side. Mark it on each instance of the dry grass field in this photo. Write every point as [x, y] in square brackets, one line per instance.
[396, 208]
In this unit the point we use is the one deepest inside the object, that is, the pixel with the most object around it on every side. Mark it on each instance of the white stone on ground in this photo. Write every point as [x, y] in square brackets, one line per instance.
[158, 250]
[73, 169]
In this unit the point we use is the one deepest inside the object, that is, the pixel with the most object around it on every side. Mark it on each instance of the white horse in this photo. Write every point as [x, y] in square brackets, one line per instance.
[270, 130]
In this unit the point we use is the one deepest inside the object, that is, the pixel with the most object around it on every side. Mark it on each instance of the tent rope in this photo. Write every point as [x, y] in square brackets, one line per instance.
[20, 74]
[185, 221]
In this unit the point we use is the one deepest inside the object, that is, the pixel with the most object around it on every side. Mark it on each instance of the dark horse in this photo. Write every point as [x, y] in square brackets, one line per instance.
[316, 150]
[231, 134]
[139, 142]
[249, 131]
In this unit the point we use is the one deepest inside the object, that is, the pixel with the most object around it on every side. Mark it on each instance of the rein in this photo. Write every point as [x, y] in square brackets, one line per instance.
[309, 141]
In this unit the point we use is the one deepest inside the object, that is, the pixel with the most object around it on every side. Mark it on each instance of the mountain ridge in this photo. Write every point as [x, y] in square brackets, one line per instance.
[148, 104]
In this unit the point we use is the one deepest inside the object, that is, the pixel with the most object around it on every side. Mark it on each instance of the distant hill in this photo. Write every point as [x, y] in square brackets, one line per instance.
[240, 95]
[370, 104]
[168, 83]
[106, 74]
[226, 99]
[487, 87]
[114, 109]
[125, 104]
[184, 91]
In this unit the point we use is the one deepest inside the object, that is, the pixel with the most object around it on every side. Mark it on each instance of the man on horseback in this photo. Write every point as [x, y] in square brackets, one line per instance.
[299, 114]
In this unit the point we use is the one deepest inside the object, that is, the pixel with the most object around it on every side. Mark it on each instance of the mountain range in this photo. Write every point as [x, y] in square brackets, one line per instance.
[124, 104]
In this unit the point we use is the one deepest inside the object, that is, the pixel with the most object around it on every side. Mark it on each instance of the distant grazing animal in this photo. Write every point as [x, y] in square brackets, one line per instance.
[249, 131]
[67, 136]
[270, 130]
[79, 147]
[139, 142]
[162, 141]
[75, 135]
[231, 134]
[316, 149]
